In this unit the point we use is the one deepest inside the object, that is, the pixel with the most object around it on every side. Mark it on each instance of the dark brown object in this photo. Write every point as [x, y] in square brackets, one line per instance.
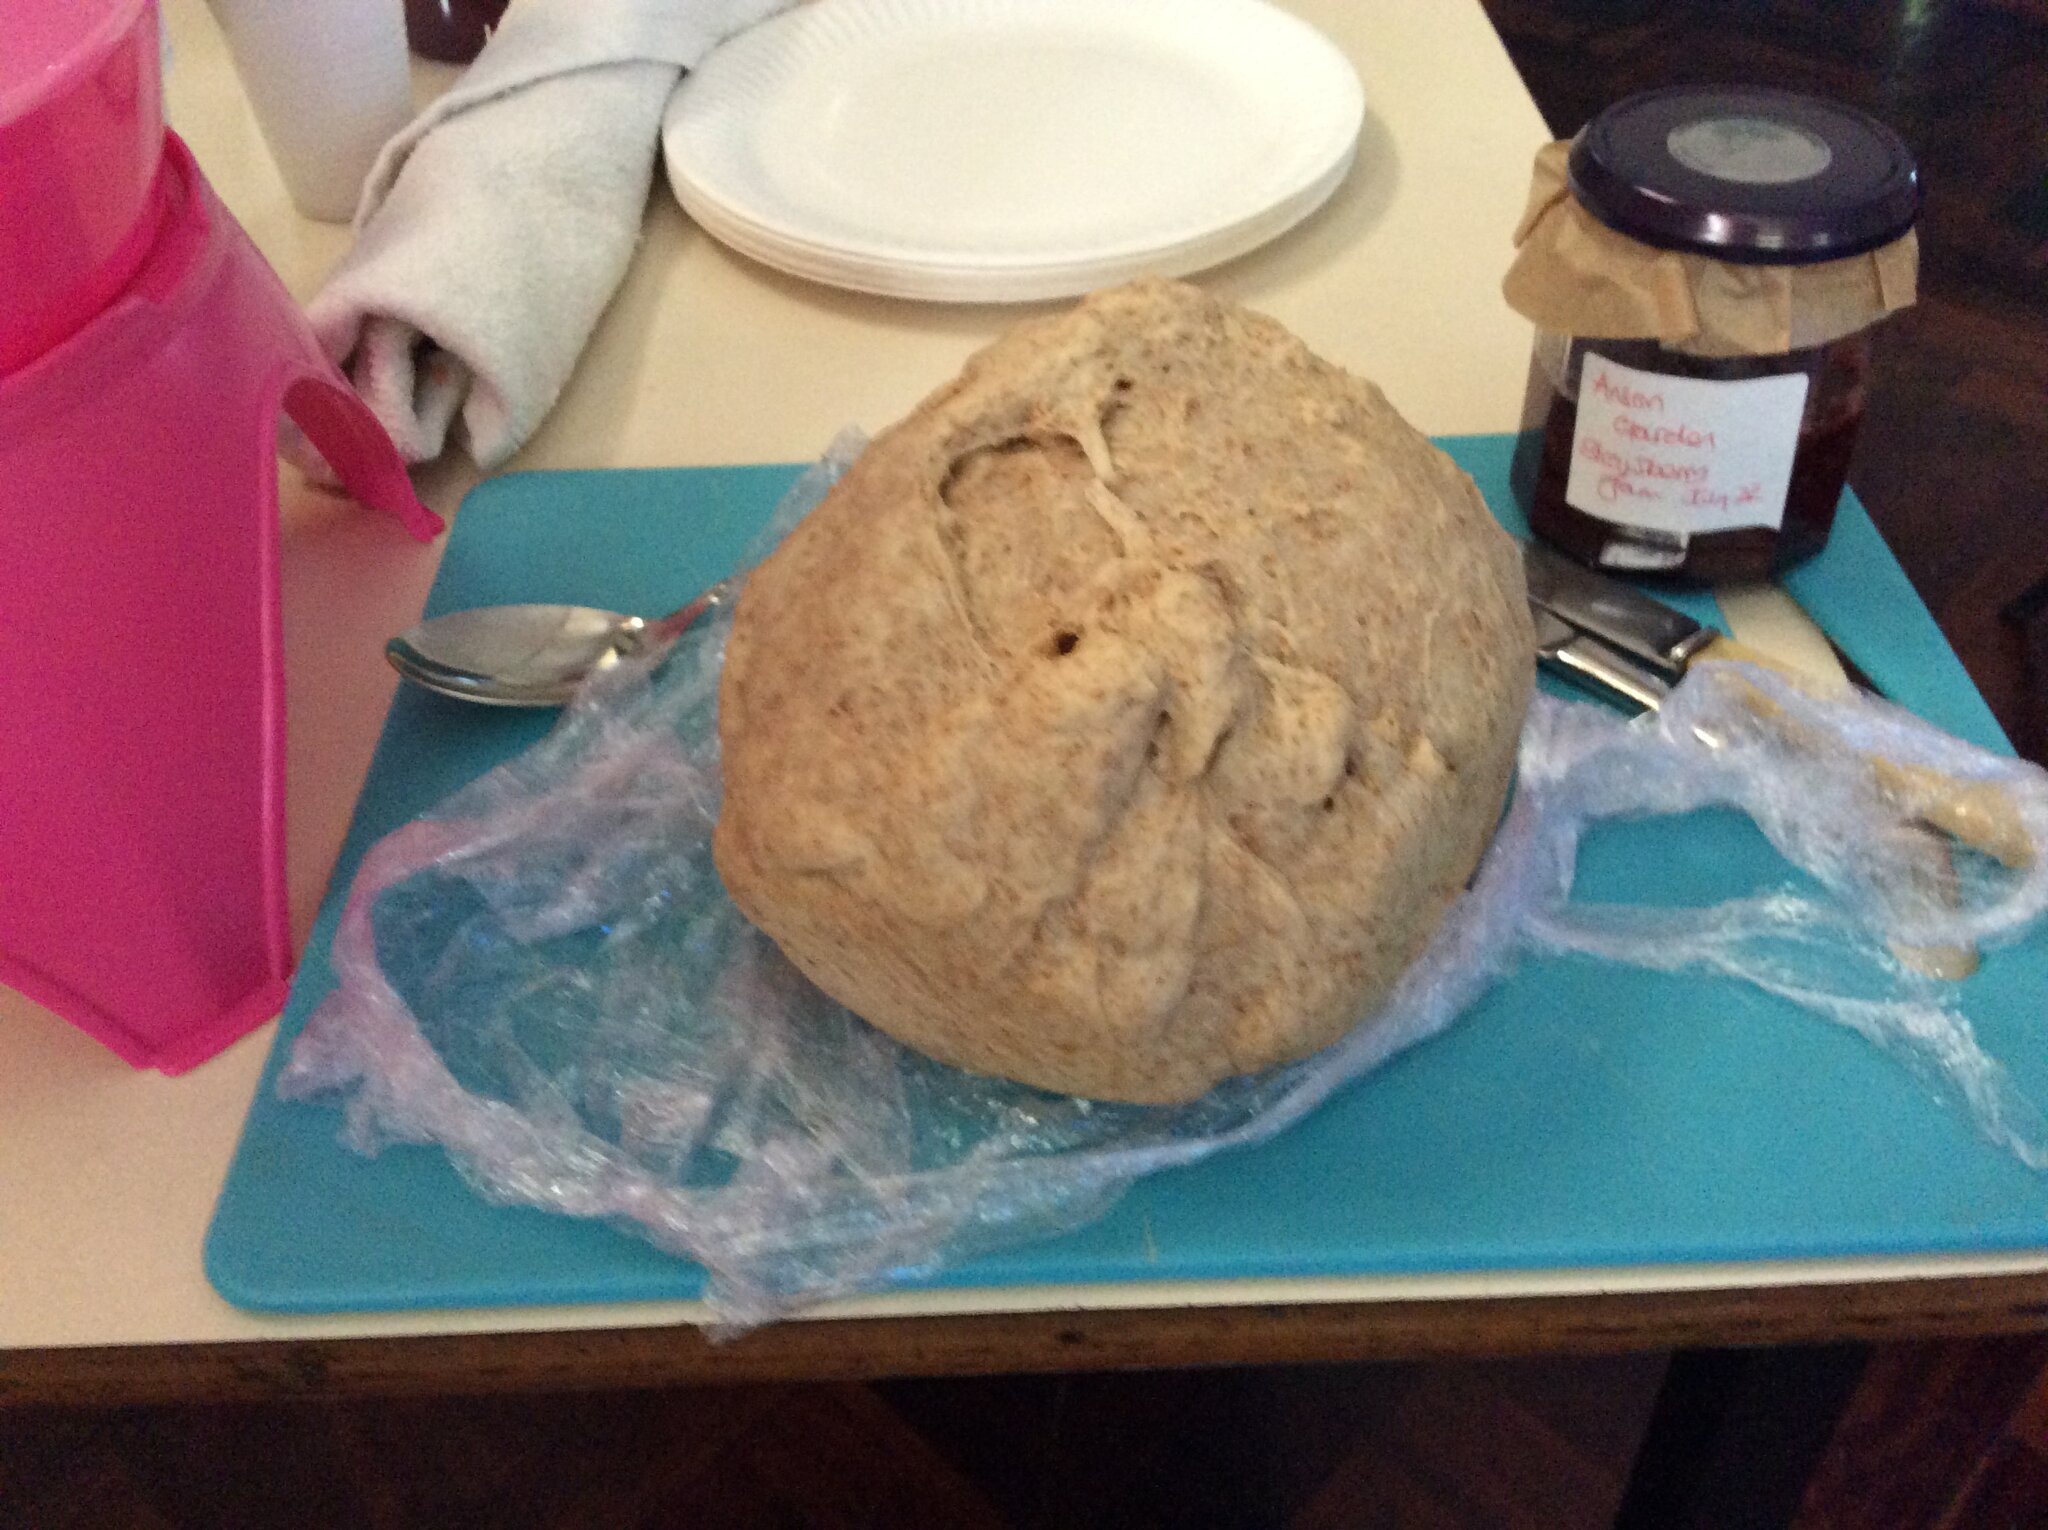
[450, 31]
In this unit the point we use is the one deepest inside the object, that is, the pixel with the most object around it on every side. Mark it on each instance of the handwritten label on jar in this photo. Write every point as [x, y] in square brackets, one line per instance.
[1683, 454]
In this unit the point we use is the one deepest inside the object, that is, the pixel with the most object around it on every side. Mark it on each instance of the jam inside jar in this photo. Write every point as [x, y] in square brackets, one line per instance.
[1837, 376]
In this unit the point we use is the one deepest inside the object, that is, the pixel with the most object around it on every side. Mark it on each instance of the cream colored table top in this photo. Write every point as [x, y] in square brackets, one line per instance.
[108, 1176]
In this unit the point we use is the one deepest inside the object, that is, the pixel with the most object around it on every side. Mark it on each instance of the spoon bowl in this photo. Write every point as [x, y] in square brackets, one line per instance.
[530, 655]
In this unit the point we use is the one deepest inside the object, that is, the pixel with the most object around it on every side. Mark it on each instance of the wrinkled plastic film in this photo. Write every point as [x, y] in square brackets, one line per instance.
[1802, 768]
[544, 977]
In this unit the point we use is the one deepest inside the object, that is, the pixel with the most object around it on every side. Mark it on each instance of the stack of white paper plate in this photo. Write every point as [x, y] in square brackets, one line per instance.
[1010, 150]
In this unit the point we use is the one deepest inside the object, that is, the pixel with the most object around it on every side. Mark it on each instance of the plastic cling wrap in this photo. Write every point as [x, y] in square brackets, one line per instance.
[544, 977]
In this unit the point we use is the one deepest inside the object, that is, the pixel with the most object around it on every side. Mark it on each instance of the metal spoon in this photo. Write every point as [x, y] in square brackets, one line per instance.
[531, 656]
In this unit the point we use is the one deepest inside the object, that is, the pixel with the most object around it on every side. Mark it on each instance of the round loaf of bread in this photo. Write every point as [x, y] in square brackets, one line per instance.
[1130, 714]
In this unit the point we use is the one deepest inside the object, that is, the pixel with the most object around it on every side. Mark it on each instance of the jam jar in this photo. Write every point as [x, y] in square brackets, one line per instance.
[1764, 233]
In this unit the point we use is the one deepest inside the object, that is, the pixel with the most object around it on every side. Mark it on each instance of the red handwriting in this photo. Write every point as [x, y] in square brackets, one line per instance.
[1642, 464]
[1680, 434]
[1641, 476]
[1714, 499]
[1648, 451]
[1615, 391]
[1616, 486]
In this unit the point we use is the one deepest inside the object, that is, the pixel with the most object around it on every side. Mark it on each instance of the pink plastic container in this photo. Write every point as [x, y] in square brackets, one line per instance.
[142, 889]
[81, 137]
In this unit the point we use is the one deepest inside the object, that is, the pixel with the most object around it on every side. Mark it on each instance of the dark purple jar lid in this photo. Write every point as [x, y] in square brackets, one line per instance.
[1746, 174]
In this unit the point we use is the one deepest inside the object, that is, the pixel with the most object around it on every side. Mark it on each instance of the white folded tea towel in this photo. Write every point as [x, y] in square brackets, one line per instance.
[494, 228]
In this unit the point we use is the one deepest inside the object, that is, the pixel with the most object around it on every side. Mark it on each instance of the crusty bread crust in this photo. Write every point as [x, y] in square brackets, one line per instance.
[1131, 712]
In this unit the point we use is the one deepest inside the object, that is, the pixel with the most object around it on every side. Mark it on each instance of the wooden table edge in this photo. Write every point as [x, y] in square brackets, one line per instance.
[864, 1349]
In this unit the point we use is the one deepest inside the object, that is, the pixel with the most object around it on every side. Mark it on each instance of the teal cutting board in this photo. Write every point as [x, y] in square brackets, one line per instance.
[1581, 1115]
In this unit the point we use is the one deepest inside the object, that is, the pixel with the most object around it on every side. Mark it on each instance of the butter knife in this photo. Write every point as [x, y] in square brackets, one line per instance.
[1626, 645]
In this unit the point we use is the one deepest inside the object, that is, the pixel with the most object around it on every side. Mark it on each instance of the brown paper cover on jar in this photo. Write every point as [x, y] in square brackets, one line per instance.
[1574, 275]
